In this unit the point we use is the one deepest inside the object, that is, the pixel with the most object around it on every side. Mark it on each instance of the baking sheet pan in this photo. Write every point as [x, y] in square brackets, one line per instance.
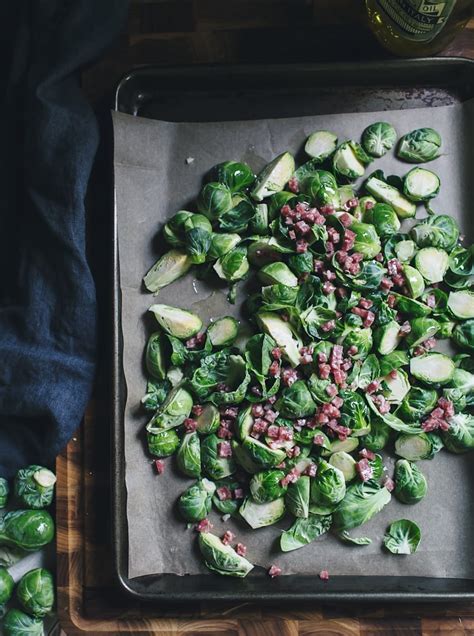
[152, 180]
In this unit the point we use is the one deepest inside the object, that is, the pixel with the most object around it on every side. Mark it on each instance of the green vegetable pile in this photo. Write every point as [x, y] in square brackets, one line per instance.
[348, 303]
[22, 531]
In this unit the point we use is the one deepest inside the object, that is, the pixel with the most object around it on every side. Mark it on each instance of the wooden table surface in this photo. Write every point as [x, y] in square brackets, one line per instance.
[175, 32]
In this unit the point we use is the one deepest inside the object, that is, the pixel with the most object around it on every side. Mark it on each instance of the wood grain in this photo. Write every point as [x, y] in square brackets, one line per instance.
[89, 602]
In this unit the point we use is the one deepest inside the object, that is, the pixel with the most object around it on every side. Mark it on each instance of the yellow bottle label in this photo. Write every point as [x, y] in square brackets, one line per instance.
[416, 20]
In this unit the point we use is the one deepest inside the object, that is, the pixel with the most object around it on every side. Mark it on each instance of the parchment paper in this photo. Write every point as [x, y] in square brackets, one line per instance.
[153, 181]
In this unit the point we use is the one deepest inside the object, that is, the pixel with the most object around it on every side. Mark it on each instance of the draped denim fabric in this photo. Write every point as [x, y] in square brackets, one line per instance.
[48, 140]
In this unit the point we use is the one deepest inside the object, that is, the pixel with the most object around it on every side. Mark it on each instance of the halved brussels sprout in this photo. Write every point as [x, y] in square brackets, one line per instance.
[421, 184]
[259, 223]
[154, 356]
[166, 270]
[213, 465]
[411, 306]
[387, 338]
[410, 483]
[196, 501]
[264, 514]
[214, 200]
[266, 250]
[419, 145]
[261, 454]
[320, 145]
[388, 194]
[345, 445]
[283, 334]
[172, 413]
[346, 464]
[277, 273]
[414, 280]
[421, 330]
[432, 368]
[274, 176]
[266, 486]
[432, 263]
[188, 457]
[413, 447]
[378, 138]
[384, 218]
[461, 304]
[209, 419]
[405, 250]
[397, 387]
[367, 241]
[222, 244]
[223, 331]
[163, 443]
[350, 160]
[177, 322]
[221, 558]
[233, 266]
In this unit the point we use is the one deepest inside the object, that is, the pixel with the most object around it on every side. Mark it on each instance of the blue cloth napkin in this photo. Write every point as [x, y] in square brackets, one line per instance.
[49, 136]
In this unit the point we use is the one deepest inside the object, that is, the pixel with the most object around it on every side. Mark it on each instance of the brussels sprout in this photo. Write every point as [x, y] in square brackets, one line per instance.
[163, 443]
[417, 146]
[35, 592]
[384, 218]
[463, 335]
[378, 138]
[223, 331]
[321, 186]
[214, 200]
[355, 413]
[463, 381]
[233, 266]
[461, 304]
[350, 160]
[411, 485]
[29, 530]
[327, 488]
[172, 413]
[362, 501]
[236, 175]
[237, 219]
[320, 145]
[411, 306]
[221, 368]
[188, 457]
[304, 531]
[378, 436]
[393, 360]
[296, 401]
[432, 263]
[261, 515]
[360, 338]
[266, 486]
[397, 387]
[166, 270]
[262, 455]
[208, 421]
[388, 194]
[414, 281]
[279, 296]
[297, 497]
[274, 176]
[156, 394]
[402, 537]
[266, 250]
[283, 334]
[221, 558]
[4, 492]
[405, 250]
[436, 231]
[421, 330]
[177, 322]
[17, 623]
[275, 273]
[215, 466]
[367, 241]
[6, 587]
[421, 185]
[432, 368]
[173, 231]
[387, 338]
[259, 223]
[459, 438]
[417, 403]
[244, 459]
[174, 376]
[196, 501]
[154, 356]
[413, 447]
[34, 487]
[198, 238]
[345, 463]
[222, 244]
[345, 445]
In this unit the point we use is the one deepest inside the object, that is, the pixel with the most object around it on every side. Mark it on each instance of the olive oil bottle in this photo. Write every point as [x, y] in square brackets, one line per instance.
[415, 28]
